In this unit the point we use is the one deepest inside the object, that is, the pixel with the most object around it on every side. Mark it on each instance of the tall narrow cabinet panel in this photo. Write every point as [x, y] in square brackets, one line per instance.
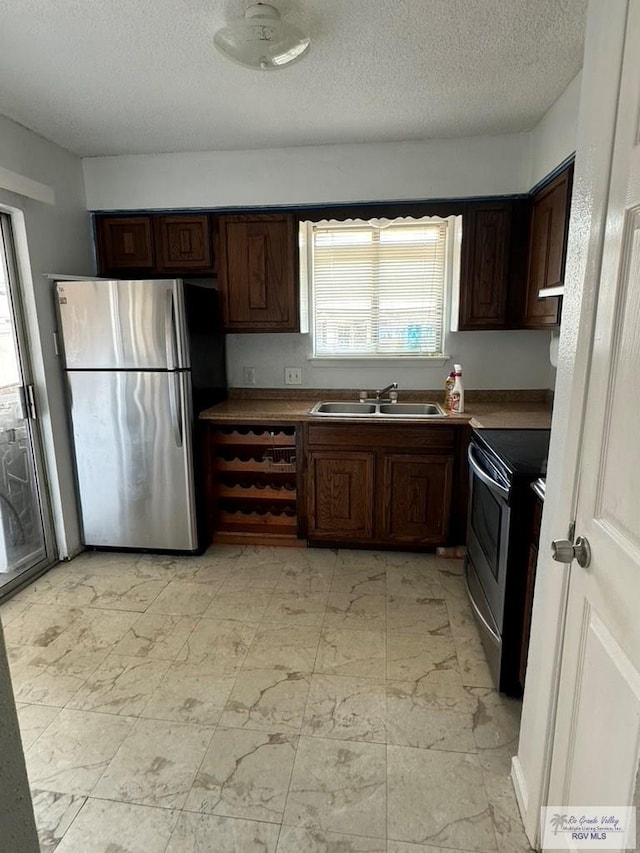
[485, 266]
[258, 272]
[547, 250]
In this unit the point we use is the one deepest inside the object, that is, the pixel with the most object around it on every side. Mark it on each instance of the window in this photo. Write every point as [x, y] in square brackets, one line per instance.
[377, 288]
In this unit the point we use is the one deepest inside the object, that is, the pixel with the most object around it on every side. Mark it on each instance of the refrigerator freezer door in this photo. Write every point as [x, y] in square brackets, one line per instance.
[133, 445]
[123, 325]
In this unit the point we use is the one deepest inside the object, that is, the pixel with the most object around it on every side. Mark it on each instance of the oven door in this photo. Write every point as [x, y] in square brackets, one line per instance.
[488, 529]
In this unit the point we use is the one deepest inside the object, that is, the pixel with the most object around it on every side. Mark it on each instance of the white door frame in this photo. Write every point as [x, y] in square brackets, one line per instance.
[596, 125]
[65, 513]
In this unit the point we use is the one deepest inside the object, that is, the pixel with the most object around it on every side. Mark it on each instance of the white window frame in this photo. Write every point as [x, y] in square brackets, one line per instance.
[450, 302]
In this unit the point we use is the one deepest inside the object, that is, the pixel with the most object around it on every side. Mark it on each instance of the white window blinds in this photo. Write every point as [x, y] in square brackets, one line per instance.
[378, 288]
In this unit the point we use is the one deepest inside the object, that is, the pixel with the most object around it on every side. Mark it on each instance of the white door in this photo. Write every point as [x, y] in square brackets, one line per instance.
[26, 542]
[596, 746]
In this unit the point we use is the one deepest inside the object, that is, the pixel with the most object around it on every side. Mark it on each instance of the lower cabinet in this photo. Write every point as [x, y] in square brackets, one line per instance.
[340, 487]
[385, 486]
[251, 482]
[416, 498]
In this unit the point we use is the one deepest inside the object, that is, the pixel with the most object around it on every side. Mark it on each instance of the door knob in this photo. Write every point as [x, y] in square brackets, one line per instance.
[564, 551]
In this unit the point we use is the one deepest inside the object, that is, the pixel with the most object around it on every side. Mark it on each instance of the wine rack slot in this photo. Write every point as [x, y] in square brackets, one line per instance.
[254, 481]
[257, 492]
[273, 438]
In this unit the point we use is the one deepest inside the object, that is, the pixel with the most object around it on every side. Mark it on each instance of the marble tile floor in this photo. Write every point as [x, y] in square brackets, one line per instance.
[261, 699]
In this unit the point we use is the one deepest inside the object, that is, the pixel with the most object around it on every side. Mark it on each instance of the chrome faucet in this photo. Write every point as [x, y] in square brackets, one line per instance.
[392, 387]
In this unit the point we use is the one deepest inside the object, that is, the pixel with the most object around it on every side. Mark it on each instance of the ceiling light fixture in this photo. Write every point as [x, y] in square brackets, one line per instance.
[261, 39]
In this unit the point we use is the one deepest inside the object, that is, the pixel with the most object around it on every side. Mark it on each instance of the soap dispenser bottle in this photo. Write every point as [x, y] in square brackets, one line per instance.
[457, 393]
[449, 382]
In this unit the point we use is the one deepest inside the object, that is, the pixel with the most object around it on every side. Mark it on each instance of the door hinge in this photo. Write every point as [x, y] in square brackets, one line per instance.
[56, 345]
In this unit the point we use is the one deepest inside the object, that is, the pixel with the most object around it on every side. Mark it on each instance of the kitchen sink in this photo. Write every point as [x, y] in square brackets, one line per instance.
[344, 409]
[377, 410]
[424, 410]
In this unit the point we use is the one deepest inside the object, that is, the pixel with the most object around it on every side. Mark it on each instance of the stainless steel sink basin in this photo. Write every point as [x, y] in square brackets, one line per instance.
[377, 410]
[344, 409]
[410, 409]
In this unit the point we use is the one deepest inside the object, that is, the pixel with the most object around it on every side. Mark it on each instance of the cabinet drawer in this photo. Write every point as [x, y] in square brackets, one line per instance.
[434, 437]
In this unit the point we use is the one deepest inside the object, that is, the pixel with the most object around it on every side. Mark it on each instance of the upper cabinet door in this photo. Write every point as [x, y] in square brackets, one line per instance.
[257, 272]
[125, 243]
[484, 266]
[183, 243]
[547, 250]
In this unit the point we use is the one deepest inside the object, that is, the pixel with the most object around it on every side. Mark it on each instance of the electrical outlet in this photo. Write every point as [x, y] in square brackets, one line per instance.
[293, 376]
[249, 375]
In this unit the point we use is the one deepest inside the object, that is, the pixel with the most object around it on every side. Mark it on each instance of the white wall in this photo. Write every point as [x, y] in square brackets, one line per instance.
[442, 168]
[57, 238]
[554, 138]
[500, 360]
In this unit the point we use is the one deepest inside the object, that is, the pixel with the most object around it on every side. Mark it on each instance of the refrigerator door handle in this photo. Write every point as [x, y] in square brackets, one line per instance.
[170, 330]
[175, 406]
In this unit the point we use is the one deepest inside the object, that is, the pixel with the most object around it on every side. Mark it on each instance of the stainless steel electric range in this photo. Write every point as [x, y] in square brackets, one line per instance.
[502, 465]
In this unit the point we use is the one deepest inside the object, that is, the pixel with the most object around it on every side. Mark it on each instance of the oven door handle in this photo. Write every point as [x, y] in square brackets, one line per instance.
[484, 477]
[475, 607]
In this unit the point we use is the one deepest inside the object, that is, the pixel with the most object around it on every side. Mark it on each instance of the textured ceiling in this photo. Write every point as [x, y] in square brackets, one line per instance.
[136, 76]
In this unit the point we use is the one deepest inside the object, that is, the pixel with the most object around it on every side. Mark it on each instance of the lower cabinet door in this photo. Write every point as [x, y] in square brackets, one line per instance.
[341, 495]
[417, 498]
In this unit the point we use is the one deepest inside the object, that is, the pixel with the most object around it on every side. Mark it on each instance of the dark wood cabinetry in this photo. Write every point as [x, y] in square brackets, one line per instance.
[153, 245]
[340, 487]
[252, 482]
[183, 243]
[417, 498]
[511, 249]
[258, 272]
[124, 243]
[547, 250]
[390, 487]
[484, 267]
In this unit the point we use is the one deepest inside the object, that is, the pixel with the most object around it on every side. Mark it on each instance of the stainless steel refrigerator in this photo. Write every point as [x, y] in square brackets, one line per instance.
[135, 354]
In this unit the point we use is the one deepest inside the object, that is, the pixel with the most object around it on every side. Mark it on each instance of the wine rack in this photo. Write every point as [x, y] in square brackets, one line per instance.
[254, 483]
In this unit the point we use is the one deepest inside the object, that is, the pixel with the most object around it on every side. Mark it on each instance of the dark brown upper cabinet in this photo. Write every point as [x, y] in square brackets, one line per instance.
[183, 243]
[484, 266]
[547, 250]
[147, 245]
[258, 272]
[124, 243]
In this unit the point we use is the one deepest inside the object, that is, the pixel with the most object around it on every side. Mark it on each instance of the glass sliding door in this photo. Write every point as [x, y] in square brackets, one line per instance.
[25, 527]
